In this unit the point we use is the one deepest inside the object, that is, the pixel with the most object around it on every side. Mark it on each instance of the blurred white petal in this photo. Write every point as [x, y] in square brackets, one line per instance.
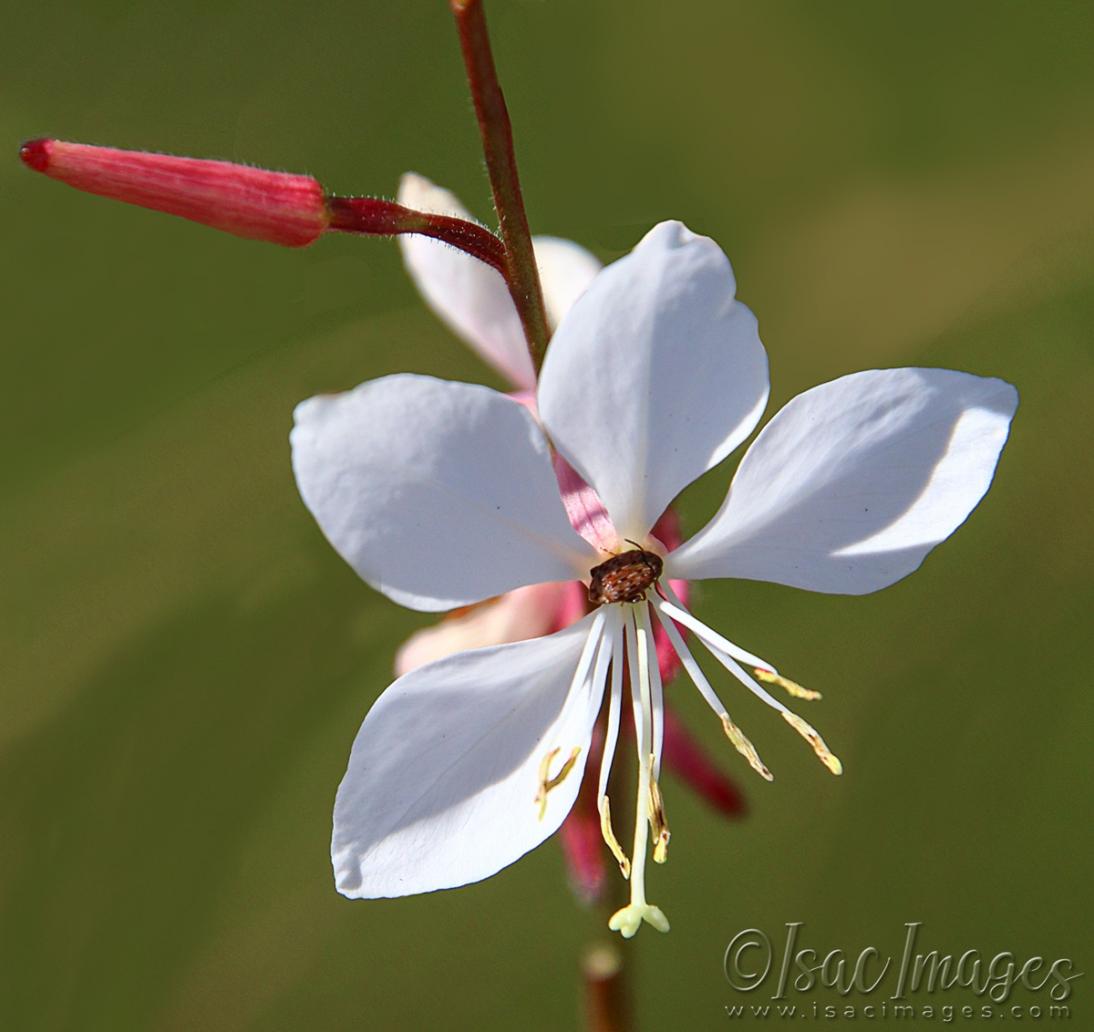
[471, 298]
[515, 616]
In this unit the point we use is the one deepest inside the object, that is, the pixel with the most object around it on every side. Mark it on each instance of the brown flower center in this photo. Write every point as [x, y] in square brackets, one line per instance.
[624, 577]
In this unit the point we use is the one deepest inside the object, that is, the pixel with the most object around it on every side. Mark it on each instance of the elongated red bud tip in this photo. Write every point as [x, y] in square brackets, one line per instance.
[277, 207]
[35, 154]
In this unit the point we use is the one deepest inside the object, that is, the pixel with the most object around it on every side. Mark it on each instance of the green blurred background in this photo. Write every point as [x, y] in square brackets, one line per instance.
[186, 662]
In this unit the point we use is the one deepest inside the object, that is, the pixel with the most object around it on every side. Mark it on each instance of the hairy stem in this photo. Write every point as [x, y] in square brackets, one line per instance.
[373, 216]
[522, 275]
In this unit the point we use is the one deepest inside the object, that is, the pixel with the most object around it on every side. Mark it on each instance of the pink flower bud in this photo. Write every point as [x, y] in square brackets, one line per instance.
[250, 202]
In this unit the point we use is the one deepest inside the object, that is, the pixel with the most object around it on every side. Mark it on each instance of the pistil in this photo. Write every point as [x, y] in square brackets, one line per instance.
[629, 919]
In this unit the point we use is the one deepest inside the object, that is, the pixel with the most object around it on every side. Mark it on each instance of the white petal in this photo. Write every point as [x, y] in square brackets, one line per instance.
[565, 271]
[471, 298]
[515, 616]
[438, 494]
[849, 487]
[654, 375]
[443, 776]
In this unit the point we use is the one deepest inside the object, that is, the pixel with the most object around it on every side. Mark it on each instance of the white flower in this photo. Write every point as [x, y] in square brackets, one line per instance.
[442, 494]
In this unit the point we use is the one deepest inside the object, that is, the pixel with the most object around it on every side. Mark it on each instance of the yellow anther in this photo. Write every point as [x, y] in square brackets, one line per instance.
[788, 686]
[547, 783]
[658, 824]
[745, 748]
[824, 754]
[609, 837]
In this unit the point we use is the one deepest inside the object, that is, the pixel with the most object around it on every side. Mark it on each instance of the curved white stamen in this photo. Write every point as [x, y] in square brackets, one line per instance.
[598, 676]
[657, 691]
[664, 614]
[614, 647]
[720, 648]
[583, 681]
[588, 652]
[766, 672]
[699, 679]
[711, 639]
[724, 643]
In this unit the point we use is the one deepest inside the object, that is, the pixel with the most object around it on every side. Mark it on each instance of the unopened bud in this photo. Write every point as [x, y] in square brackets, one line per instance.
[277, 207]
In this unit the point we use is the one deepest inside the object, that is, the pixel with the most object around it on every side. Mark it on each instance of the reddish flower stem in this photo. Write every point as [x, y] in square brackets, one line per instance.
[522, 274]
[374, 216]
[606, 1008]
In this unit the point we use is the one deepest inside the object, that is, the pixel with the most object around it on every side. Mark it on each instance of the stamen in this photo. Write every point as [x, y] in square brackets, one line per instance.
[805, 730]
[612, 842]
[745, 748]
[546, 784]
[740, 743]
[824, 754]
[697, 676]
[715, 645]
[611, 737]
[611, 734]
[788, 686]
[710, 638]
[657, 691]
[581, 680]
[658, 822]
[739, 654]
